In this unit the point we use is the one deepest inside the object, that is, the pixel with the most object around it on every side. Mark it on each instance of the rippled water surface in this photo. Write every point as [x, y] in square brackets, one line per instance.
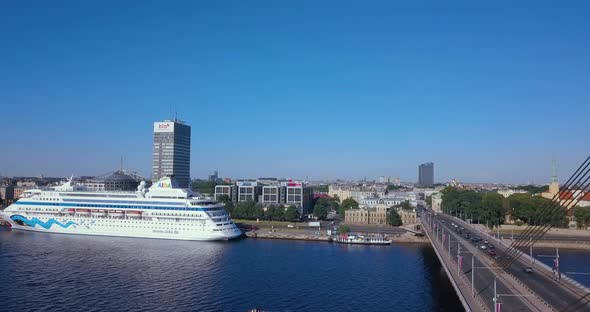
[55, 272]
[574, 263]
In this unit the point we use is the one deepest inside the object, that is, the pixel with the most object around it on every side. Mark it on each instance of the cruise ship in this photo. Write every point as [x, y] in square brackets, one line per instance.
[161, 211]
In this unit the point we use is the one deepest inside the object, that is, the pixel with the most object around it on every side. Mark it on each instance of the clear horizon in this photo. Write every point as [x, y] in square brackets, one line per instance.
[489, 92]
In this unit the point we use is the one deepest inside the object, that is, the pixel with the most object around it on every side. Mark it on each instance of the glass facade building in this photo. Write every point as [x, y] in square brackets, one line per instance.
[426, 174]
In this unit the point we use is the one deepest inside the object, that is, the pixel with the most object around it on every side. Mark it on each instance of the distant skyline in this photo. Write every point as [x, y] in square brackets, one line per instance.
[489, 92]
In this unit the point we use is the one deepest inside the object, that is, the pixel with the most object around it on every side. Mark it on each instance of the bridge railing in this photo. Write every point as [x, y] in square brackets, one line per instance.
[451, 263]
[545, 269]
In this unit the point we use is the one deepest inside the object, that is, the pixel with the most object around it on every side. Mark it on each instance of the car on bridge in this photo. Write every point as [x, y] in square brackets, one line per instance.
[527, 270]
[492, 252]
[483, 247]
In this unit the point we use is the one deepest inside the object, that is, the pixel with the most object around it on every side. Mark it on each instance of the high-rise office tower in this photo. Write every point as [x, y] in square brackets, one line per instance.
[426, 174]
[172, 151]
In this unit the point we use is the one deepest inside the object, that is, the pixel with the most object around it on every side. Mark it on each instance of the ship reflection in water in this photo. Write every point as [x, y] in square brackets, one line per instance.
[90, 273]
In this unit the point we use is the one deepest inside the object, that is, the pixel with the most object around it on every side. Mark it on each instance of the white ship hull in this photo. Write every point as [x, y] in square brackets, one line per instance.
[126, 228]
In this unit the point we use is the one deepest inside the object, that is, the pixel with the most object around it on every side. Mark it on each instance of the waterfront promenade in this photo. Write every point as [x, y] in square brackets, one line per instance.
[301, 231]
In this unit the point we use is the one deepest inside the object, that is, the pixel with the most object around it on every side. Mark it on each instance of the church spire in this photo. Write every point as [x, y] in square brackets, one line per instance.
[554, 172]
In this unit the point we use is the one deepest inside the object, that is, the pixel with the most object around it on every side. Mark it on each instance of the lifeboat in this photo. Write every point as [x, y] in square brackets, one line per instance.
[71, 210]
[116, 213]
[83, 211]
[134, 213]
[98, 213]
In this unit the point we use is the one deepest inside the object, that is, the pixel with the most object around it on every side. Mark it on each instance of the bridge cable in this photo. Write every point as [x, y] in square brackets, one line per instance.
[554, 201]
[528, 240]
[552, 209]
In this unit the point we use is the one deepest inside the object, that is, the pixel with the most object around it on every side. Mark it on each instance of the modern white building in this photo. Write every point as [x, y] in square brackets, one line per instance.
[296, 193]
[507, 193]
[247, 191]
[387, 201]
[357, 193]
[268, 191]
[226, 190]
[271, 194]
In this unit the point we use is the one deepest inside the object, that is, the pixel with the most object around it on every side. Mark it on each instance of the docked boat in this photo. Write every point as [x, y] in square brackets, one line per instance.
[363, 240]
[161, 211]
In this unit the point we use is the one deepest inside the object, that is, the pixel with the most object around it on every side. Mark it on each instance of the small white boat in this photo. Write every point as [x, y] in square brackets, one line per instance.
[363, 240]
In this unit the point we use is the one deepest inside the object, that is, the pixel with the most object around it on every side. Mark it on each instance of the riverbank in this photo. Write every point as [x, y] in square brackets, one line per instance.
[509, 229]
[554, 238]
[306, 236]
[573, 245]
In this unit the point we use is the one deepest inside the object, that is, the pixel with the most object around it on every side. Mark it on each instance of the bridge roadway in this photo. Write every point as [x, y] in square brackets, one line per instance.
[559, 295]
[483, 276]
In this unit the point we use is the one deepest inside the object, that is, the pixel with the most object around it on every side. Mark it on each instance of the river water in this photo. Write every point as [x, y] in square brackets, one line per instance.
[574, 263]
[53, 272]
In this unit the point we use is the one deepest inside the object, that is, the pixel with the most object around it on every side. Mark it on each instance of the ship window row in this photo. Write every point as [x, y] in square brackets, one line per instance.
[44, 198]
[123, 201]
[140, 222]
[39, 209]
[75, 205]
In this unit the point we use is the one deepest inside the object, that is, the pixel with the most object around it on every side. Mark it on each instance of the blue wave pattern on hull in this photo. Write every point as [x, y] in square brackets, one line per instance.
[46, 225]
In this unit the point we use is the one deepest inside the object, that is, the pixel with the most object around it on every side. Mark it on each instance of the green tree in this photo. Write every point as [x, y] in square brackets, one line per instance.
[429, 200]
[492, 209]
[393, 217]
[269, 212]
[488, 208]
[275, 213]
[536, 210]
[533, 189]
[520, 207]
[324, 205]
[245, 210]
[223, 199]
[405, 205]
[320, 211]
[322, 188]
[392, 187]
[203, 187]
[259, 212]
[292, 214]
[347, 204]
[582, 215]
[343, 229]
[229, 207]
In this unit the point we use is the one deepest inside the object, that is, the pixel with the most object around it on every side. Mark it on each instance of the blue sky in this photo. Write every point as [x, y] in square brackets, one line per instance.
[488, 91]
